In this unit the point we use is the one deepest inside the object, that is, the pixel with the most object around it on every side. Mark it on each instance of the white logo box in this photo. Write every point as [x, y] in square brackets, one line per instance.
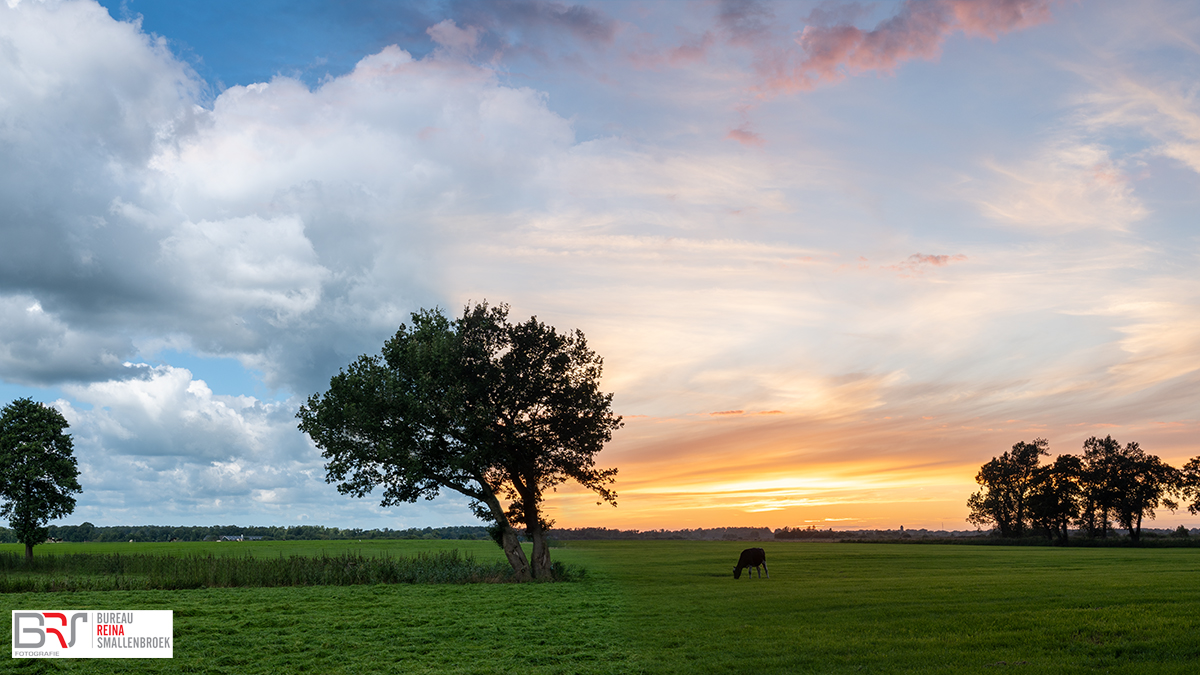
[93, 634]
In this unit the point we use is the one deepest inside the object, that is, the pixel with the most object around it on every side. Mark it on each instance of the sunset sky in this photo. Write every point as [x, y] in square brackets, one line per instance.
[835, 255]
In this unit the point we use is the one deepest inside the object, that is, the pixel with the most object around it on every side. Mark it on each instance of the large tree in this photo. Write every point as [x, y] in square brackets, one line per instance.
[1007, 481]
[1098, 481]
[1054, 496]
[38, 473]
[1122, 484]
[1144, 483]
[547, 416]
[495, 411]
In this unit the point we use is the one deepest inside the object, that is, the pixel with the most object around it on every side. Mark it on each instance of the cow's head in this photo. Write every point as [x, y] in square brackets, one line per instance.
[737, 573]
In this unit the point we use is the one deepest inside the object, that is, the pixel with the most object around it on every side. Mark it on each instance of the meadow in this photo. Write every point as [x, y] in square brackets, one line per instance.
[673, 607]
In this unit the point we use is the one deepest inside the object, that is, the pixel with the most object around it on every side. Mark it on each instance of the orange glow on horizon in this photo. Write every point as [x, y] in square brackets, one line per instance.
[754, 472]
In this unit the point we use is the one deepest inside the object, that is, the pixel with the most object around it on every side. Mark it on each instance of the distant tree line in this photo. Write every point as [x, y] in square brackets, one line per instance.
[698, 534]
[89, 532]
[810, 532]
[1107, 487]
[755, 534]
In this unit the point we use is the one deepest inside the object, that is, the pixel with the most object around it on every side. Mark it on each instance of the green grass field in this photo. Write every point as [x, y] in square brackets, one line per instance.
[673, 607]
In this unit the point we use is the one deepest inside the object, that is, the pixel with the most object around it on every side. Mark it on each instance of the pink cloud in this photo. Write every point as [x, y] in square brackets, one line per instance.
[830, 53]
[918, 263]
[460, 42]
[991, 19]
[691, 51]
[744, 136]
[935, 260]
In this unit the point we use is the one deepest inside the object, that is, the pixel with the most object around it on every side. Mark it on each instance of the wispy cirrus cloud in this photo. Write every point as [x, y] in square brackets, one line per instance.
[1160, 324]
[1070, 185]
[1167, 113]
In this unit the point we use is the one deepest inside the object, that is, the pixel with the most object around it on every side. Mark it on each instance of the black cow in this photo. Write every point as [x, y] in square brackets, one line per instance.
[752, 557]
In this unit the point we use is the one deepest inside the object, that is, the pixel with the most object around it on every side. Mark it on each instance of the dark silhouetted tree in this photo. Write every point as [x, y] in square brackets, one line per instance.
[492, 410]
[1143, 485]
[1189, 485]
[1098, 481]
[548, 418]
[1002, 502]
[1122, 484]
[38, 473]
[1054, 496]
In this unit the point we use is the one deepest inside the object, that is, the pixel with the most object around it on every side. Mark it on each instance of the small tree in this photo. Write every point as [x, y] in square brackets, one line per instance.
[480, 406]
[1007, 480]
[38, 473]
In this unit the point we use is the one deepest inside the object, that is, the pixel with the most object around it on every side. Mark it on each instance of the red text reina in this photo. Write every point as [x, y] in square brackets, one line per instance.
[110, 629]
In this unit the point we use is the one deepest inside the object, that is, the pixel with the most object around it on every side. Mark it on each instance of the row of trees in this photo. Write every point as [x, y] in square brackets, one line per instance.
[1107, 486]
[86, 532]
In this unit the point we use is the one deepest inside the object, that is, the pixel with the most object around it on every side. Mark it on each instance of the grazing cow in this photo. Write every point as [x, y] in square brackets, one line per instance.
[752, 557]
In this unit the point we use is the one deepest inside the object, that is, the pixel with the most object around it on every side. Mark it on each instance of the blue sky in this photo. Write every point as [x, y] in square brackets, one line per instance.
[232, 43]
[836, 255]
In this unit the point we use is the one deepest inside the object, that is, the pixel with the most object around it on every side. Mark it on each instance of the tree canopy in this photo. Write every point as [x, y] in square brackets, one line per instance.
[1007, 481]
[38, 473]
[496, 411]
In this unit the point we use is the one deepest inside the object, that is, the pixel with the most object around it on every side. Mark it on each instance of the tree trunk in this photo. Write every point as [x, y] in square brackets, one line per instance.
[508, 539]
[515, 554]
[28, 552]
[541, 554]
[533, 525]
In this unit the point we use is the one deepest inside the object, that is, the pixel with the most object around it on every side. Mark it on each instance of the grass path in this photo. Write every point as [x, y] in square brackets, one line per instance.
[673, 607]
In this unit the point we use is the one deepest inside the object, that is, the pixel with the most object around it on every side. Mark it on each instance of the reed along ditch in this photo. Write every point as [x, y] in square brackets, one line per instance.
[137, 571]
